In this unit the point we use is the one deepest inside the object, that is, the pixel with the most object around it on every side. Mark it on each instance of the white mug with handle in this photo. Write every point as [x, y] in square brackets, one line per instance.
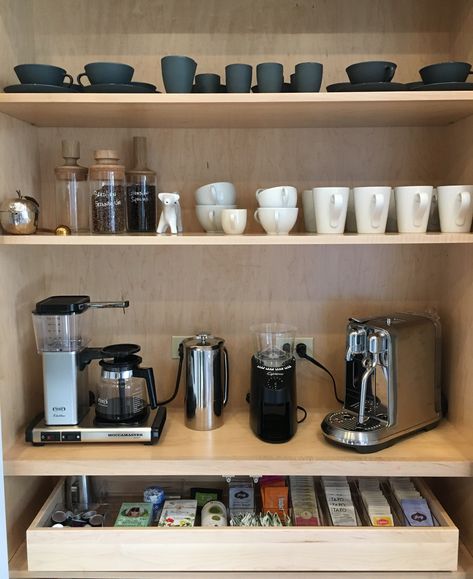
[331, 204]
[455, 203]
[276, 220]
[371, 208]
[234, 221]
[413, 208]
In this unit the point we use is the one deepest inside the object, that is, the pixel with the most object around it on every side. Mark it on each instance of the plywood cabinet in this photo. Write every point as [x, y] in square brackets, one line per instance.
[179, 286]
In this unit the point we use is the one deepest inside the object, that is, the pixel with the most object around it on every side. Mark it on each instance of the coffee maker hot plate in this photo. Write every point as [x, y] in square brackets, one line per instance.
[148, 432]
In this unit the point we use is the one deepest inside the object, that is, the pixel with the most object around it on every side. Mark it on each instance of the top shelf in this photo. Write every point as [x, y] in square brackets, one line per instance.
[301, 110]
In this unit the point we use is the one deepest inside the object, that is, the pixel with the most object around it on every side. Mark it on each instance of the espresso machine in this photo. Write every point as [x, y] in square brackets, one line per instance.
[119, 411]
[392, 385]
[273, 396]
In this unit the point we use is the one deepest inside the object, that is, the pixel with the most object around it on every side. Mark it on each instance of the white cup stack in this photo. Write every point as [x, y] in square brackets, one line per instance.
[215, 206]
[277, 211]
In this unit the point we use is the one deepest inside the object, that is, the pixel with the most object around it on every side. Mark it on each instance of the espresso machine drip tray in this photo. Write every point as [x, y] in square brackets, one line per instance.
[148, 432]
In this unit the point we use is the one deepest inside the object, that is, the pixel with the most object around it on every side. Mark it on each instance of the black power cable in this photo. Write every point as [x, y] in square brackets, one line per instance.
[178, 379]
[301, 350]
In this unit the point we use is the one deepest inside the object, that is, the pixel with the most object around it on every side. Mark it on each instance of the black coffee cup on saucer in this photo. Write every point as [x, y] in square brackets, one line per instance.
[238, 77]
[107, 73]
[42, 74]
[371, 71]
[270, 77]
[445, 72]
[207, 83]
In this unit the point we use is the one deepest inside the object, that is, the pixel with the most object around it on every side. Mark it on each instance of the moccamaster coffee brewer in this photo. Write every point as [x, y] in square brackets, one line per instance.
[392, 381]
[121, 412]
[273, 399]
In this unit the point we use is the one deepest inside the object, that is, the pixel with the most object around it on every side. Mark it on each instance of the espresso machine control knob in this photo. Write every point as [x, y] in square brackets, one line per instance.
[356, 344]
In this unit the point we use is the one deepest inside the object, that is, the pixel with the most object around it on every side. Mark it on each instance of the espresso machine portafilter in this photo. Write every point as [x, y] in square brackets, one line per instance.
[392, 385]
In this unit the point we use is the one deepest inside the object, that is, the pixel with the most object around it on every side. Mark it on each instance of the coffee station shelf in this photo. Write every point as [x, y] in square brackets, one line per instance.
[234, 450]
[202, 239]
[278, 110]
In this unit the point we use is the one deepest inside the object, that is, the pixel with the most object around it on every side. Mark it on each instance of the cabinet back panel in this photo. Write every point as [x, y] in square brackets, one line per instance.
[218, 32]
[305, 158]
[179, 291]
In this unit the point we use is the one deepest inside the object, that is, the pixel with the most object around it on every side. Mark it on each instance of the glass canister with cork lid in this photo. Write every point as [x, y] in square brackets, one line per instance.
[141, 191]
[71, 190]
[107, 193]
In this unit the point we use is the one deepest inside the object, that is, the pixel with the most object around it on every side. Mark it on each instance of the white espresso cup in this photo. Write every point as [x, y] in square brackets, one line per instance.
[331, 205]
[284, 196]
[309, 211]
[216, 194]
[210, 216]
[276, 220]
[413, 208]
[455, 204]
[371, 208]
[234, 221]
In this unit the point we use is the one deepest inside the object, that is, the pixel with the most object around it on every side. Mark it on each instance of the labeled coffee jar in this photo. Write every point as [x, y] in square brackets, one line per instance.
[107, 187]
[71, 190]
[141, 192]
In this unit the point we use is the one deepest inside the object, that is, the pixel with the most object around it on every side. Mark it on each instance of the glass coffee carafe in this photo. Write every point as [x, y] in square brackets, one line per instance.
[125, 391]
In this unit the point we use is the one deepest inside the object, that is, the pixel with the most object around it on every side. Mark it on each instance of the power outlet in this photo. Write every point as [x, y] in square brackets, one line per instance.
[175, 341]
[309, 344]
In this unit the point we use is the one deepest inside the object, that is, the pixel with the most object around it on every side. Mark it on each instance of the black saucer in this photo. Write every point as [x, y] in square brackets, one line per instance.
[119, 88]
[366, 87]
[38, 88]
[444, 86]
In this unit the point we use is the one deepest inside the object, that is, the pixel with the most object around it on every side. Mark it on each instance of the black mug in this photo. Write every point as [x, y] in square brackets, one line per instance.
[178, 73]
[446, 72]
[107, 73]
[269, 76]
[238, 77]
[42, 74]
[207, 83]
[308, 77]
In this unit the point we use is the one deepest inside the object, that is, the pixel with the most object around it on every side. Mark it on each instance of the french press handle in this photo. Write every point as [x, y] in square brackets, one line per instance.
[148, 375]
[227, 376]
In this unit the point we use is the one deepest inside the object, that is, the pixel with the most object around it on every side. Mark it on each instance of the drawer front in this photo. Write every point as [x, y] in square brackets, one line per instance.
[238, 549]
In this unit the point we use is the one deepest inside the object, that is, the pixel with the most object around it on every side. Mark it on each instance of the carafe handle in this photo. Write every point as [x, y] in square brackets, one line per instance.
[148, 375]
[226, 369]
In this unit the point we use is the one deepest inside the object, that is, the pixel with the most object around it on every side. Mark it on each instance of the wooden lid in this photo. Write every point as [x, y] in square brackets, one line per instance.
[71, 169]
[106, 162]
[140, 158]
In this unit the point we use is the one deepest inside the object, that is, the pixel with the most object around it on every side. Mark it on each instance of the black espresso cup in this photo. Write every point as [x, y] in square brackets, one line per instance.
[107, 73]
[308, 77]
[207, 83]
[42, 74]
[445, 72]
[178, 73]
[238, 77]
[270, 77]
[371, 71]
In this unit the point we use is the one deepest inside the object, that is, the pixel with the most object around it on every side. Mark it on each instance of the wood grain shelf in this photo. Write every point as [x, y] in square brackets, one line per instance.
[19, 570]
[283, 110]
[234, 450]
[199, 239]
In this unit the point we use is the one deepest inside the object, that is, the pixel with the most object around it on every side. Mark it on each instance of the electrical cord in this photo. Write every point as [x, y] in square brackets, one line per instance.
[178, 378]
[301, 350]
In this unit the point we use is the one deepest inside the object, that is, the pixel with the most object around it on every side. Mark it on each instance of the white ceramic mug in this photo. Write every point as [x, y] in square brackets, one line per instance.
[276, 220]
[210, 216]
[455, 203]
[234, 221]
[371, 208]
[331, 205]
[413, 208]
[216, 194]
[309, 211]
[283, 196]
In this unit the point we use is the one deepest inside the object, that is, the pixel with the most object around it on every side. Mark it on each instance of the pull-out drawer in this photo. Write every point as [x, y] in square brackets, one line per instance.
[240, 549]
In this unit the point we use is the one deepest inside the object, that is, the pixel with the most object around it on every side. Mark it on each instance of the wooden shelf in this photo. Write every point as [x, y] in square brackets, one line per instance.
[199, 239]
[234, 450]
[303, 110]
[19, 570]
